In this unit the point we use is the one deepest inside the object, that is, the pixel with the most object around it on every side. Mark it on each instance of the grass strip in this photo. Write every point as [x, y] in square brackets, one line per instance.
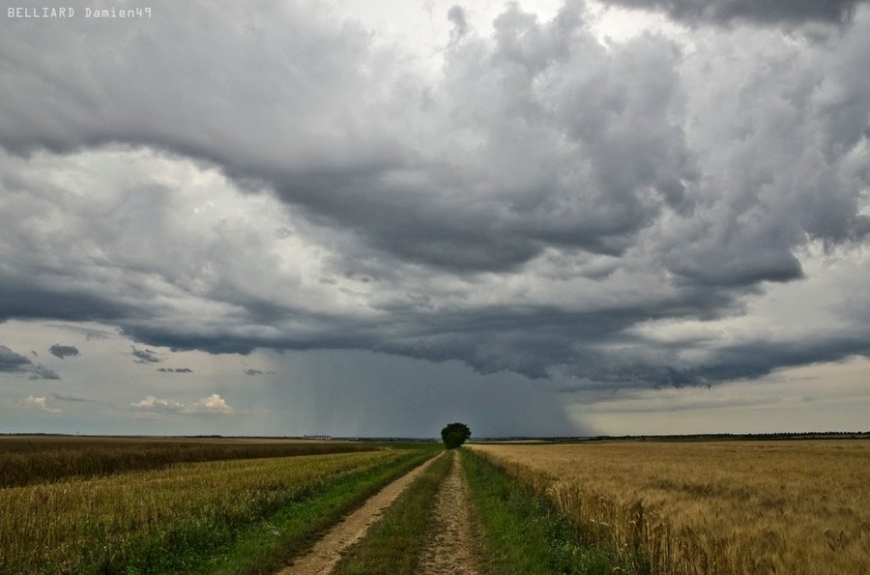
[520, 531]
[393, 545]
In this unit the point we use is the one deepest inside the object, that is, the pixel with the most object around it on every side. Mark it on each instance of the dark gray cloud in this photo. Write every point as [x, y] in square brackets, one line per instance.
[252, 371]
[175, 370]
[144, 355]
[11, 362]
[755, 11]
[525, 211]
[24, 299]
[755, 359]
[63, 351]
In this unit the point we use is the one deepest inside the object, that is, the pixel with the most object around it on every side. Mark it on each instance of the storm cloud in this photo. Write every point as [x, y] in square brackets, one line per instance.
[540, 205]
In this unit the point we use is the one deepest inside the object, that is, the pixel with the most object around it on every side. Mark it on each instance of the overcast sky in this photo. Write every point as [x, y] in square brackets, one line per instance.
[377, 217]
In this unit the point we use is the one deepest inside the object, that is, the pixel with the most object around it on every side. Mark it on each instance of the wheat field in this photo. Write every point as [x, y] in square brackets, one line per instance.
[76, 525]
[710, 507]
[30, 460]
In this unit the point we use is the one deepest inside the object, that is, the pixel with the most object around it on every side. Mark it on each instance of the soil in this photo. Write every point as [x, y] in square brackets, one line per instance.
[450, 551]
[327, 552]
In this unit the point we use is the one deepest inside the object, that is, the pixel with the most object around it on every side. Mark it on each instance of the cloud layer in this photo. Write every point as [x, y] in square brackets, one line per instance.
[543, 205]
[768, 12]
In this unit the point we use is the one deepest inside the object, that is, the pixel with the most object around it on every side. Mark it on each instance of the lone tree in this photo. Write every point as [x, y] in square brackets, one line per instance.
[455, 434]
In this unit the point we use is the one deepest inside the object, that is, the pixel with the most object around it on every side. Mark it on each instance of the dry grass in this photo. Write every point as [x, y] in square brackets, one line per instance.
[79, 524]
[711, 507]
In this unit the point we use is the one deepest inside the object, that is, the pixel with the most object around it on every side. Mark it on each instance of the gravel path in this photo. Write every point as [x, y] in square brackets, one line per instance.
[327, 552]
[450, 551]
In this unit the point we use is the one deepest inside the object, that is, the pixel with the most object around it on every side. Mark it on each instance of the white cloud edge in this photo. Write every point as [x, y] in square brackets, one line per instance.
[213, 404]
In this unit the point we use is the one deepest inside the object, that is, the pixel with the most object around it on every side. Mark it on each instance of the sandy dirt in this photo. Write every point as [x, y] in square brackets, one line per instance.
[450, 551]
[327, 552]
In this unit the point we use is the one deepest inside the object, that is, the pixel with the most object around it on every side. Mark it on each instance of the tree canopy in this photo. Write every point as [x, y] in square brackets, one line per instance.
[455, 434]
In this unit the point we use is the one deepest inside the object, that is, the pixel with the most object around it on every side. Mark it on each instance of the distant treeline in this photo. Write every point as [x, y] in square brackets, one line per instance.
[698, 437]
[26, 460]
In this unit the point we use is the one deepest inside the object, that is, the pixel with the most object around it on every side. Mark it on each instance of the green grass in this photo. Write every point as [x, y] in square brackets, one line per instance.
[402, 444]
[520, 532]
[394, 544]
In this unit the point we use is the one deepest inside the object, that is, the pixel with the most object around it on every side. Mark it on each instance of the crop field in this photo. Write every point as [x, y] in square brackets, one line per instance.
[709, 507]
[183, 516]
[35, 459]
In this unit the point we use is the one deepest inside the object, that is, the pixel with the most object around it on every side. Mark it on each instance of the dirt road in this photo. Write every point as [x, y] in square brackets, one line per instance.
[327, 552]
[450, 550]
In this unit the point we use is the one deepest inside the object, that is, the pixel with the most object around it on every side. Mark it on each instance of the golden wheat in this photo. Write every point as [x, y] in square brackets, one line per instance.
[711, 507]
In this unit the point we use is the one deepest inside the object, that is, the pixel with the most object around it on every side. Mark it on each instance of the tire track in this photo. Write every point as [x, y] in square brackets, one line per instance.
[450, 551]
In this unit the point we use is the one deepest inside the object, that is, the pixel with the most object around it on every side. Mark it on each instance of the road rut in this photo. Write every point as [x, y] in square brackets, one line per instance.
[450, 551]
